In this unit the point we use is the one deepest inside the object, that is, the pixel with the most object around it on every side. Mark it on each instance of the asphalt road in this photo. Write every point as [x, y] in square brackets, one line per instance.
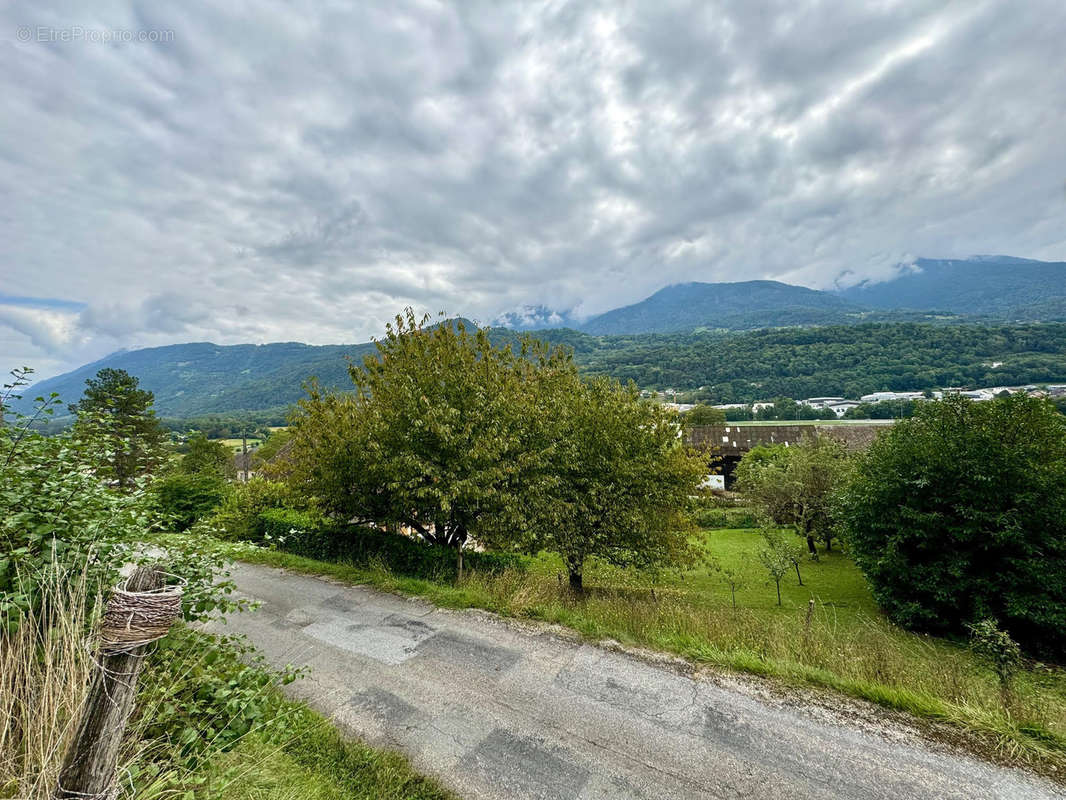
[496, 710]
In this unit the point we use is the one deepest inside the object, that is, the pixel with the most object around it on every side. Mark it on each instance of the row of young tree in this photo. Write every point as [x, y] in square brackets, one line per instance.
[457, 440]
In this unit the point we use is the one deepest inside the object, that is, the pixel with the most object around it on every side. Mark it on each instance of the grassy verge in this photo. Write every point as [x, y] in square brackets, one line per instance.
[846, 646]
[209, 720]
[316, 763]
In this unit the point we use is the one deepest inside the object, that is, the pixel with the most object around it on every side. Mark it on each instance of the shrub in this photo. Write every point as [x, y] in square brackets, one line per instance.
[184, 498]
[238, 517]
[56, 513]
[200, 693]
[997, 650]
[710, 517]
[959, 514]
[309, 534]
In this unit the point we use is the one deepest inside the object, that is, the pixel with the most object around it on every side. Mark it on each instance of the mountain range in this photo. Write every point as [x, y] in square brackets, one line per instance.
[994, 288]
[202, 378]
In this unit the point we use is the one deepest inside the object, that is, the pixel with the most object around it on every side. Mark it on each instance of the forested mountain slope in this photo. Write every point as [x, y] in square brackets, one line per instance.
[199, 379]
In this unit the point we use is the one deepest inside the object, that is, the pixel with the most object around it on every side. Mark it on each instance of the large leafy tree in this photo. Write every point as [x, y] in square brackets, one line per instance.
[615, 481]
[435, 437]
[959, 514]
[795, 485]
[119, 414]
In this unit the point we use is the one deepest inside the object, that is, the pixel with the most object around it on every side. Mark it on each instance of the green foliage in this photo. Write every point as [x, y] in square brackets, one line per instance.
[704, 415]
[795, 485]
[995, 647]
[434, 437]
[274, 442]
[118, 414]
[848, 361]
[616, 480]
[959, 514]
[785, 408]
[55, 513]
[237, 519]
[708, 516]
[310, 535]
[183, 498]
[221, 390]
[778, 556]
[220, 694]
[206, 457]
[886, 409]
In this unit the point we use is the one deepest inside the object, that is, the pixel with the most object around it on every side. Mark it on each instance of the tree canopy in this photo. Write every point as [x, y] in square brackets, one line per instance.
[959, 514]
[434, 437]
[795, 485]
[453, 438]
[616, 482]
[119, 413]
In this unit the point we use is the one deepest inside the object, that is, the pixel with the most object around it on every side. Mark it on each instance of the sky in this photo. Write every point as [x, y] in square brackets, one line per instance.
[302, 171]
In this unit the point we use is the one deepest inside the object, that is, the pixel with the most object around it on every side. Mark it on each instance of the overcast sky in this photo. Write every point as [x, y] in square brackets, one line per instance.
[275, 171]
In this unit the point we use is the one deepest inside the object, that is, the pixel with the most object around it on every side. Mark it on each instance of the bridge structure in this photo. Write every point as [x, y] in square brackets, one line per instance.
[726, 444]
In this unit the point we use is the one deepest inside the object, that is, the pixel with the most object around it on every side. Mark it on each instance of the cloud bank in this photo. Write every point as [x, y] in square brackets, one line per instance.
[302, 171]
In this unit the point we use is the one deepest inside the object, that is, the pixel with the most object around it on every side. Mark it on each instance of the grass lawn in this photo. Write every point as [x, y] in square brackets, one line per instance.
[848, 645]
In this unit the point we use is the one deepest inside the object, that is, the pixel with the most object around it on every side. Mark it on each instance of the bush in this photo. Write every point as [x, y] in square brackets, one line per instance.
[710, 517]
[959, 514]
[200, 693]
[238, 517]
[184, 498]
[309, 534]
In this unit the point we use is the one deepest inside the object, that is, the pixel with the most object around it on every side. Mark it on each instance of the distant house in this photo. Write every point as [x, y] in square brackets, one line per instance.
[822, 402]
[842, 407]
[881, 397]
[242, 465]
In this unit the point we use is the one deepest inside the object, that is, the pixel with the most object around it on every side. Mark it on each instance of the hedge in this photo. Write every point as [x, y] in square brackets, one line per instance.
[313, 536]
[725, 518]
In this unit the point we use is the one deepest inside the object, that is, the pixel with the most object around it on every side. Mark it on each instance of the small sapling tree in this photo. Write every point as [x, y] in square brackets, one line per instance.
[1001, 653]
[734, 580]
[777, 556]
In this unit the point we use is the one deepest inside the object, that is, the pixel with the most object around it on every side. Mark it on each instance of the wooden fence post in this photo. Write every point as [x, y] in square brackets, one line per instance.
[136, 615]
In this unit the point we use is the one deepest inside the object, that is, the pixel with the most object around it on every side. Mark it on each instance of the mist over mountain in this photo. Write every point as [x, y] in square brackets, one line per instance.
[995, 286]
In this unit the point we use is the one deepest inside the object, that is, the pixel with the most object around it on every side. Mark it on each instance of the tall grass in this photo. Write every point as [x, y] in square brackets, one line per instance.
[44, 675]
[209, 721]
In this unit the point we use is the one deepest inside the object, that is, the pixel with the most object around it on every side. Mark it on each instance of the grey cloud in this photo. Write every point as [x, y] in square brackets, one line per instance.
[305, 172]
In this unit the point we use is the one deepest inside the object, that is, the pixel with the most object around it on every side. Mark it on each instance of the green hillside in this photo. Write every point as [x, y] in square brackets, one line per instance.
[194, 380]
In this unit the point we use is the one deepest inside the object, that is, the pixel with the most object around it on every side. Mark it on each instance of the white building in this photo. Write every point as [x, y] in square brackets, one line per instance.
[842, 407]
[822, 402]
[881, 397]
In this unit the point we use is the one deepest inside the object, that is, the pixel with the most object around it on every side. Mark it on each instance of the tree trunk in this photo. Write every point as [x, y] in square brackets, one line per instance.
[459, 564]
[92, 757]
[810, 544]
[576, 584]
[797, 566]
[779, 592]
